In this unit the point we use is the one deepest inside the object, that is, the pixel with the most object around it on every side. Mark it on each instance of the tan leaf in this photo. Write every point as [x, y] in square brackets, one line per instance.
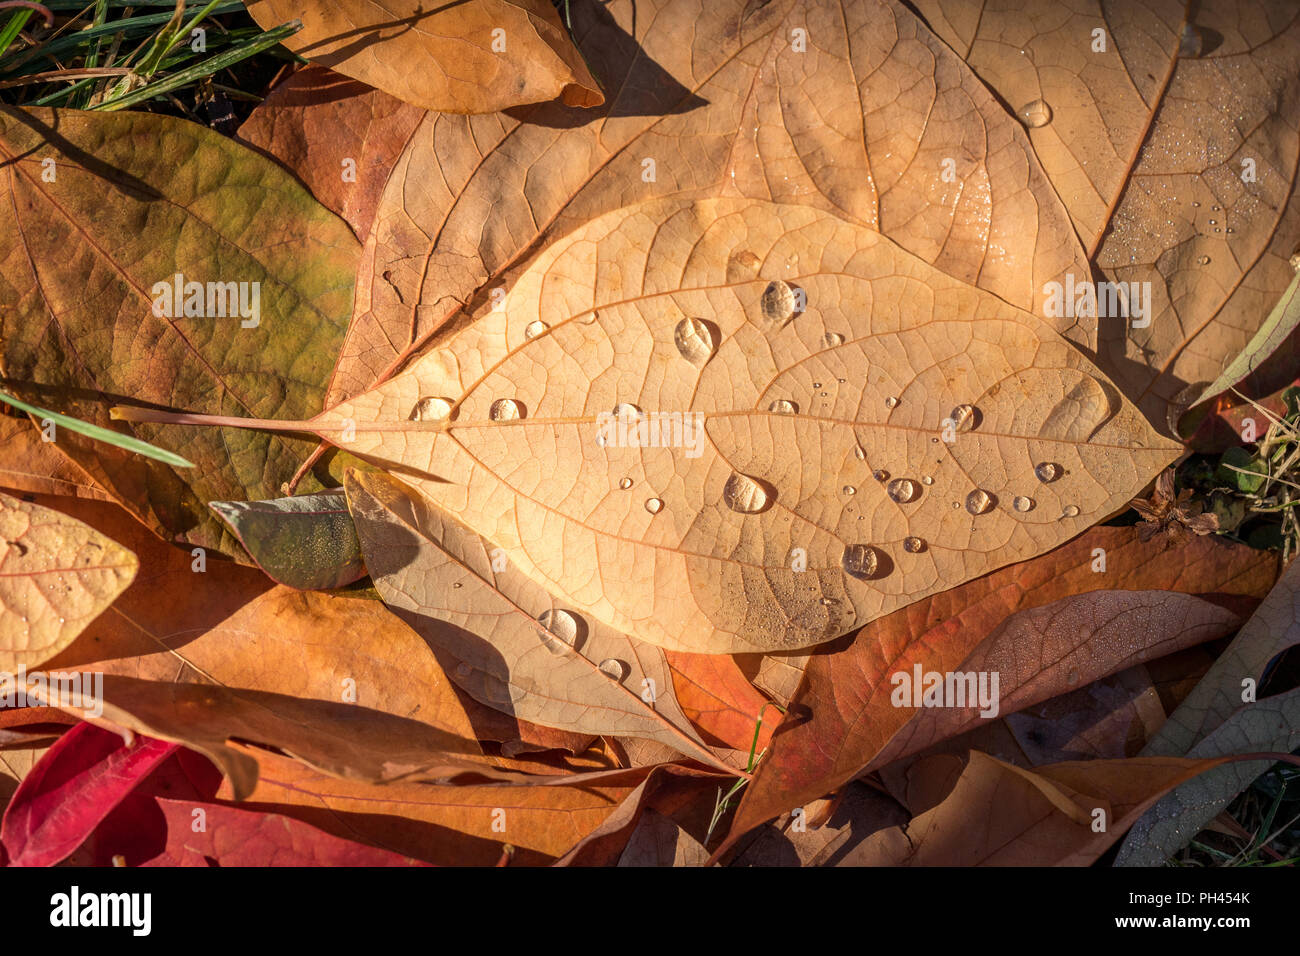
[33, 465]
[56, 576]
[821, 429]
[502, 637]
[1175, 150]
[474, 56]
[715, 99]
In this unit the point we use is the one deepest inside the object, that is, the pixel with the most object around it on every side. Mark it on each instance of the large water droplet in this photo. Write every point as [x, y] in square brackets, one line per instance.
[625, 483]
[1077, 416]
[505, 410]
[654, 505]
[694, 340]
[561, 630]
[1047, 471]
[979, 501]
[1070, 511]
[1035, 114]
[783, 406]
[615, 669]
[849, 490]
[535, 328]
[430, 409]
[746, 495]
[902, 490]
[964, 417]
[832, 340]
[913, 544]
[861, 561]
[891, 402]
[1021, 503]
[781, 302]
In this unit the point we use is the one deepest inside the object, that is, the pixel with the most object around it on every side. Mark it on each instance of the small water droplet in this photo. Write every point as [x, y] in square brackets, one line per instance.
[780, 301]
[430, 409]
[818, 385]
[859, 453]
[1214, 222]
[627, 411]
[745, 495]
[505, 410]
[849, 490]
[927, 480]
[1214, 208]
[457, 584]
[1230, 229]
[535, 328]
[860, 560]
[832, 340]
[1202, 260]
[654, 505]
[1047, 471]
[902, 490]
[1070, 511]
[880, 474]
[913, 544]
[1035, 114]
[625, 483]
[1196, 205]
[615, 669]
[694, 340]
[979, 501]
[964, 417]
[783, 406]
[891, 402]
[1022, 504]
[560, 629]
[1191, 42]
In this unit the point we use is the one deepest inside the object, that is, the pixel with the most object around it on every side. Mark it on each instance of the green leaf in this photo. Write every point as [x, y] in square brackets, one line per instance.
[1239, 458]
[104, 209]
[100, 434]
[307, 542]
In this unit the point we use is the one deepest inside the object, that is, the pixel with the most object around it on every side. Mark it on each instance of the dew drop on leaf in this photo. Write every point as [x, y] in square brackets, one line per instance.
[1202, 260]
[1022, 504]
[902, 490]
[1047, 471]
[505, 410]
[745, 495]
[535, 328]
[979, 501]
[627, 411]
[860, 560]
[1070, 511]
[654, 505]
[430, 409]
[560, 630]
[880, 474]
[694, 340]
[1035, 114]
[783, 406]
[963, 417]
[927, 480]
[832, 340]
[891, 402]
[780, 302]
[1192, 41]
[615, 669]
[913, 544]
[850, 490]
[625, 483]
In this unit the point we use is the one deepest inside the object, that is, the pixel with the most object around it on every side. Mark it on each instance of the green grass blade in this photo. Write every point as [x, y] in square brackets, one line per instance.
[101, 434]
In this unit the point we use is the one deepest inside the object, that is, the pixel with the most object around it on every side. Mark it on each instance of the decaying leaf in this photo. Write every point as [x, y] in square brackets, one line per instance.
[502, 637]
[56, 576]
[307, 542]
[474, 56]
[33, 465]
[732, 425]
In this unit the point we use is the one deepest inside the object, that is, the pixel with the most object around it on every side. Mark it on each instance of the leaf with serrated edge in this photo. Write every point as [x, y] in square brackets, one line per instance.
[888, 348]
[441, 580]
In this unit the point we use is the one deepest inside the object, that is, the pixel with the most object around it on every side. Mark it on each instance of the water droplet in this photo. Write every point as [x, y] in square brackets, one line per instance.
[832, 340]
[783, 406]
[1191, 42]
[1079, 413]
[1047, 471]
[818, 385]
[880, 474]
[1214, 222]
[627, 411]
[927, 480]
[1070, 511]
[430, 410]
[979, 501]
[859, 453]
[1214, 208]
[613, 668]
[1022, 504]
[625, 483]
[457, 584]
[1230, 229]
[535, 328]
[505, 410]
[860, 560]
[780, 302]
[560, 630]
[1202, 260]
[1035, 114]
[654, 505]
[902, 490]
[1196, 205]
[849, 490]
[891, 402]
[964, 417]
[745, 495]
[694, 340]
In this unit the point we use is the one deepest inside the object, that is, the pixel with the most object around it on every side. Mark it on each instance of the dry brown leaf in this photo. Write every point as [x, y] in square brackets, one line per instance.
[484, 623]
[33, 465]
[1172, 139]
[720, 700]
[56, 576]
[784, 449]
[715, 99]
[474, 56]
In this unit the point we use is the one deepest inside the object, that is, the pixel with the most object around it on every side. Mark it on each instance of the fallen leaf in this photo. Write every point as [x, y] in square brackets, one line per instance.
[715, 99]
[306, 542]
[660, 841]
[720, 700]
[82, 777]
[58, 576]
[849, 693]
[1171, 140]
[502, 637]
[36, 466]
[696, 539]
[474, 56]
[90, 252]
